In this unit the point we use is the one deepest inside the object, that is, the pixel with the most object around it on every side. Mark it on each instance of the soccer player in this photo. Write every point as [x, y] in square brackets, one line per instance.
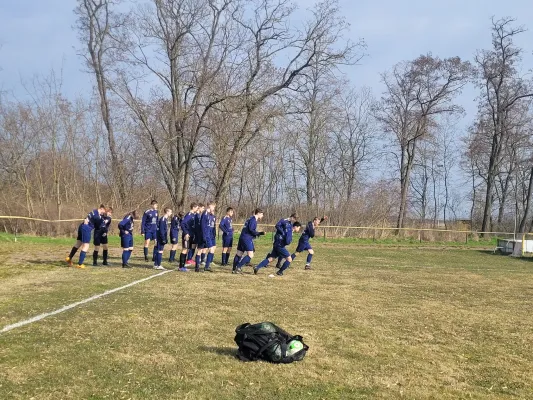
[162, 238]
[197, 234]
[245, 247]
[303, 242]
[187, 226]
[100, 237]
[126, 237]
[283, 238]
[226, 226]
[207, 237]
[175, 223]
[93, 219]
[149, 227]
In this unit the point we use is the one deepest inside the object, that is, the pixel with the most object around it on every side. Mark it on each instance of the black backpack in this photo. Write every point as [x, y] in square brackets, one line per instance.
[266, 341]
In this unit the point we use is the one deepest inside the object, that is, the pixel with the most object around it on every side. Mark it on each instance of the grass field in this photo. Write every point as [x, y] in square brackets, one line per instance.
[381, 322]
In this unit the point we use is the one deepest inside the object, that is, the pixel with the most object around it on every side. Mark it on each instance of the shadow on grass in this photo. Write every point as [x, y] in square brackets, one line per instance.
[490, 252]
[223, 351]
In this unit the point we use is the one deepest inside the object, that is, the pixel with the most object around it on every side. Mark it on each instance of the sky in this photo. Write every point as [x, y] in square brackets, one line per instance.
[38, 35]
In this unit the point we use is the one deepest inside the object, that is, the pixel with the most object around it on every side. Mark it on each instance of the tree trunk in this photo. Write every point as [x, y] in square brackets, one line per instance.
[525, 217]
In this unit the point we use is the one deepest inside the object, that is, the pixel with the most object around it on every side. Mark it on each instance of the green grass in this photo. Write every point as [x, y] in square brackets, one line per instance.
[382, 321]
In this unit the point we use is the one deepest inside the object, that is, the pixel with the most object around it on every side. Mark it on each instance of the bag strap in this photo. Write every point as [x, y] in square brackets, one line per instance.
[270, 343]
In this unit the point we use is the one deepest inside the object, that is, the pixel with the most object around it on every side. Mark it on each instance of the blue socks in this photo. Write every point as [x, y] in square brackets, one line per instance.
[203, 257]
[309, 258]
[235, 261]
[197, 260]
[284, 267]
[262, 264]
[245, 260]
[172, 256]
[209, 260]
[158, 258]
[145, 252]
[82, 257]
[190, 253]
[125, 256]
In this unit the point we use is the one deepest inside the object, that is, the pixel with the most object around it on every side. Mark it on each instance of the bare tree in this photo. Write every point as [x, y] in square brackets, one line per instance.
[502, 90]
[355, 136]
[179, 59]
[269, 37]
[417, 92]
[96, 26]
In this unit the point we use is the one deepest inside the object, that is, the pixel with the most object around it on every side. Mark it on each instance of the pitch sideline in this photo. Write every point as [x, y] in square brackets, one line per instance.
[79, 303]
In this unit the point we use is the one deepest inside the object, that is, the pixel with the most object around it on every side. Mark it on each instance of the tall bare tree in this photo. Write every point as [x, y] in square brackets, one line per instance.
[416, 92]
[502, 89]
[96, 25]
[269, 38]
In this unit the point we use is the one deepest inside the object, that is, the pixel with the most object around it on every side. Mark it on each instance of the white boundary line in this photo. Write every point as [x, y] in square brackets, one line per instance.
[79, 303]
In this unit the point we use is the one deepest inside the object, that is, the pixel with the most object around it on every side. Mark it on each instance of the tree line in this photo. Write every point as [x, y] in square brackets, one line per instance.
[247, 102]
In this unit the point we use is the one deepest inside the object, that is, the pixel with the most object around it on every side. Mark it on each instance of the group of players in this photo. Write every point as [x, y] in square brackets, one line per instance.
[198, 238]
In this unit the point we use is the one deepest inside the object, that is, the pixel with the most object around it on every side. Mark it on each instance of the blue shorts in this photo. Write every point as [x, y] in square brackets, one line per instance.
[99, 238]
[227, 240]
[194, 239]
[173, 237]
[207, 244]
[126, 241]
[245, 245]
[279, 252]
[303, 245]
[159, 246]
[84, 233]
[150, 235]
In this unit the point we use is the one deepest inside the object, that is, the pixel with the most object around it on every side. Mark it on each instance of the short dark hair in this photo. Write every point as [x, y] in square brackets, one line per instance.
[109, 209]
[102, 206]
[294, 215]
[201, 205]
[166, 210]
[296, 224]
[153, 202]
[211, 203]
[133, 214]
[194, 204]
[229, 209]
[181, 214]
[258, 211]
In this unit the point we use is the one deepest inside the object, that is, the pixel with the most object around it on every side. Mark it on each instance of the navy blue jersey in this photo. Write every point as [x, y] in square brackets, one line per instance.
[162, 230]
[175, 223]
[104, 226]
[187, 224]
[126, 225]
[309, 232]
[197, 227]
[149, 221]
[249, 230]
[207, 225]
[94, 219]
[283, 235]
[226, 225]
